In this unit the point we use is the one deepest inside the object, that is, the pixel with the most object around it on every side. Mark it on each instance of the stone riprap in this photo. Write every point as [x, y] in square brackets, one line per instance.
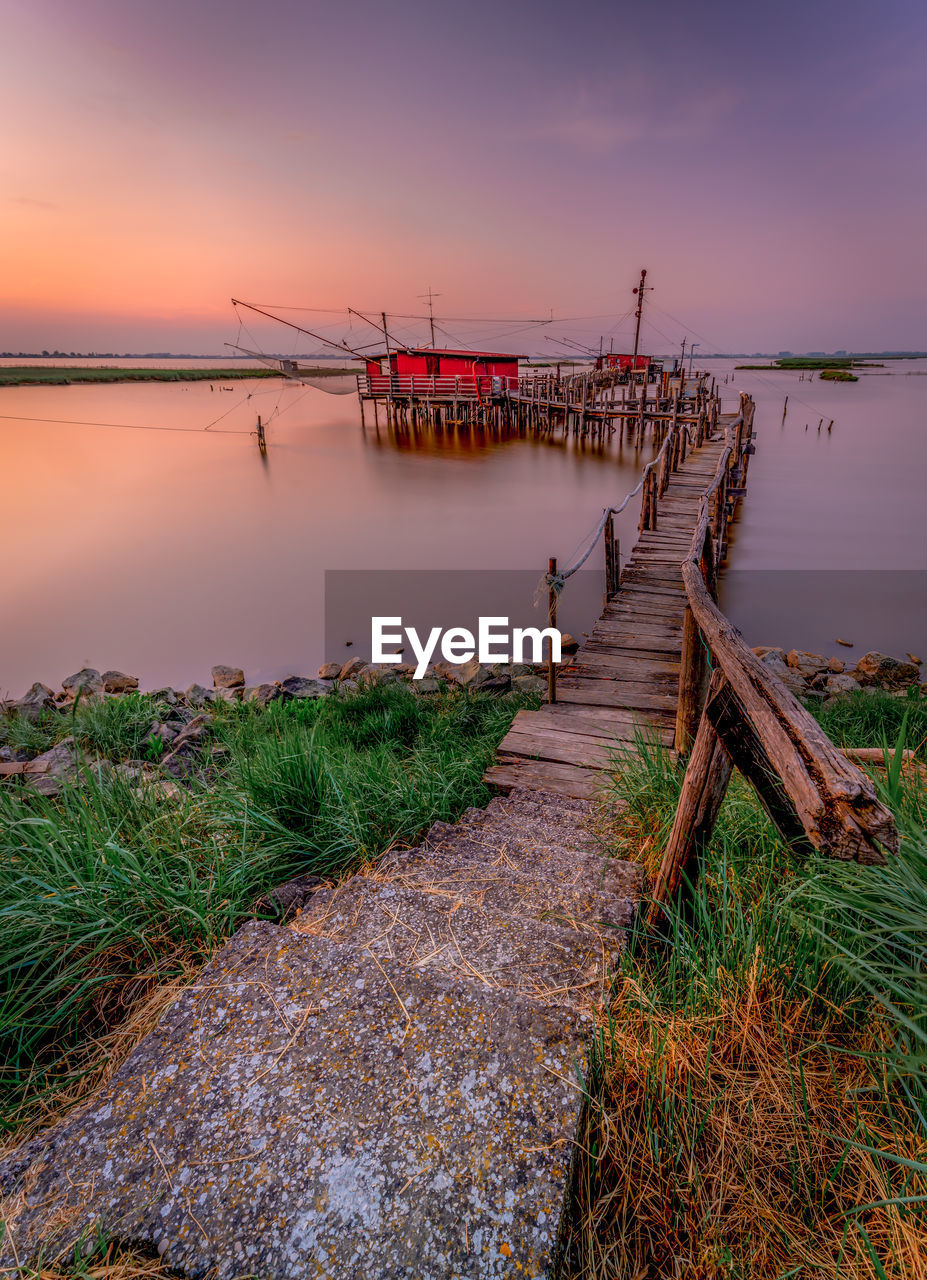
[389, 1087]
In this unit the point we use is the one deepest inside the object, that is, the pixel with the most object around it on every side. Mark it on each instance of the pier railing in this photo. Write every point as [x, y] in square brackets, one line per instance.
[479, 385]
[655, 475]
[732, 711]
[731, 708]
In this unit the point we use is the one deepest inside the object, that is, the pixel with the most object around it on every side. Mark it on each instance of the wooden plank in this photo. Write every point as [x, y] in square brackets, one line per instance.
[577, 723]
[542, 775]
[614, 693]
[15, 768]
[565, 748]
[645, 633]
[629, 666]
[619, 720]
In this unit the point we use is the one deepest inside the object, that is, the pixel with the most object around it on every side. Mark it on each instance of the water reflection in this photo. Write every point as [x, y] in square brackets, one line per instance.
[161, 549]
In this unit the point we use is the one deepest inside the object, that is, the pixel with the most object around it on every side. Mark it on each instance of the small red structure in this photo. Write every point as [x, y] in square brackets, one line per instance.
[615, 360]
[428, 371]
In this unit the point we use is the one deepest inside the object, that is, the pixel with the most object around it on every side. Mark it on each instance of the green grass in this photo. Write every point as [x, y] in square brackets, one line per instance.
[873, 718]
[758, 1089]
[109, 892]
[64, 375]
[117, 728]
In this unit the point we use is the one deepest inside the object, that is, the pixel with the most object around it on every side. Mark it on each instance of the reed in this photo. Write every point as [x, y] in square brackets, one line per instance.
[756, 1102]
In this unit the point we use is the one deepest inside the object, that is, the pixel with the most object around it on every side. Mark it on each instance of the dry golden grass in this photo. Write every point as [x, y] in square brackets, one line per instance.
[722, 1145]
[112, 1263]
[737, 1080]
[126, 1013]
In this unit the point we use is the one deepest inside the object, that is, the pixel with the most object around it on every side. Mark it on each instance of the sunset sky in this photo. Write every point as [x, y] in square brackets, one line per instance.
[765, 163]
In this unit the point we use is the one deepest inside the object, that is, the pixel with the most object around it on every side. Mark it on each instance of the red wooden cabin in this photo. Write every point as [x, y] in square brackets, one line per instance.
[615, 360]
[427, 371]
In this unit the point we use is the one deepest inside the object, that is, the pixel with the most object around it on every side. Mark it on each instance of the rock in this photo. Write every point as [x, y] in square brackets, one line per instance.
[790, 677]
[227, 695]
[228, 677]
[836, 666]
[806, 664]
[427, 684]
[266, 1104]
[167, 733]
[34, 702]
[303, 687]
[178, 764]
[85, 681]
[197, 696]
[373, 674]
[118, 682]
[513, 669]
[263, 694]
[837, 684]
[568, 644]
[530, 684]
[166, 695]
[61, 764]
[469, 675]
[352, 667]
[185, 747]
[330, 670]
[764, 651]
[287, 899]
[130, 772]
[497, 684]
[888, 673]
[193, 733]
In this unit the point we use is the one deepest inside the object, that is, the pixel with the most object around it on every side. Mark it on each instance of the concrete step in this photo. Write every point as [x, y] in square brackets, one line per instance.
[531, 881]
[553, 964]
[304, 1111]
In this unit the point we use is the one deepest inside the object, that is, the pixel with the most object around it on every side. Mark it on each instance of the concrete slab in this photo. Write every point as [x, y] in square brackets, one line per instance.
[428, 931]
[306, 1110]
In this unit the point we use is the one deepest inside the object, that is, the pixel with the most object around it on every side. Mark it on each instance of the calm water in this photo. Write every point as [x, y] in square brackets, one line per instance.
[159, 548]
[832, 536]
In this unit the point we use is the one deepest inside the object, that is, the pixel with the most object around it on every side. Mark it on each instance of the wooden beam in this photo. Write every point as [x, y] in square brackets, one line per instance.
[703, 790]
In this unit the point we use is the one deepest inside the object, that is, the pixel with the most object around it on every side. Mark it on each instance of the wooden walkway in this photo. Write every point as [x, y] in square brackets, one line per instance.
[626, 675]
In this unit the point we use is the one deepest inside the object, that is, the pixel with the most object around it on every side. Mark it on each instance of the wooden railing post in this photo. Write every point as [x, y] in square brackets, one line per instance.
[693, 673]
[551, 622]
[611, 569]
[703, 789]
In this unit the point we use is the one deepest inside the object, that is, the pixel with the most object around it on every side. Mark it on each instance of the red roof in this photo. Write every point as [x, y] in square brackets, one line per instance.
[442, 351]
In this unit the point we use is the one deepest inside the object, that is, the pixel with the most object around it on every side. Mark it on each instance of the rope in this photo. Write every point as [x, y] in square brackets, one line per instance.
[557, 581]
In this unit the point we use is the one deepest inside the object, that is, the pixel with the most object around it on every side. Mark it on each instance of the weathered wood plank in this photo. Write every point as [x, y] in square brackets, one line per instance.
[563, 779]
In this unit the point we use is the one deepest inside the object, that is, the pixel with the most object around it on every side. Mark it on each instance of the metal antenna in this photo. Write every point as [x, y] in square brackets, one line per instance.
[429, 298]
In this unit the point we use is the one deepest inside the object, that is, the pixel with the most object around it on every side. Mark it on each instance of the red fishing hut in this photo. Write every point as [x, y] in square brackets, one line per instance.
[436, 373]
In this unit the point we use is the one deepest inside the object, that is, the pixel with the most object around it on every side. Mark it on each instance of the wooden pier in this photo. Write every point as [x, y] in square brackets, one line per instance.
[586, 404]
[626, 677]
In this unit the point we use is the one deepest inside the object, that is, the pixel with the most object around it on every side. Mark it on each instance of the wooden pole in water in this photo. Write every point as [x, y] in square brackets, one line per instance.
[551, 622]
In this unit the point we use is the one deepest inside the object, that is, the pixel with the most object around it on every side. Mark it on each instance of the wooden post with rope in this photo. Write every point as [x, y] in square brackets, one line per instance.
[551, 622]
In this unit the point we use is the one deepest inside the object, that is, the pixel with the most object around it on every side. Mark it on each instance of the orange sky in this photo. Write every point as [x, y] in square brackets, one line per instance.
[768, 168]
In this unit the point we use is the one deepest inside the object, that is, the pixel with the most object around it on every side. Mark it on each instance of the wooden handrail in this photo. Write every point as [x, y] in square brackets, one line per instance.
[748, 718]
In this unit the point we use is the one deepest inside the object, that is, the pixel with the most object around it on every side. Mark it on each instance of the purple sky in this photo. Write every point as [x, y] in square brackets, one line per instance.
[766, 165]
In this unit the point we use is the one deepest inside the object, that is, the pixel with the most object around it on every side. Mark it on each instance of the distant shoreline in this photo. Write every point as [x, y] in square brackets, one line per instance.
[42, 375]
